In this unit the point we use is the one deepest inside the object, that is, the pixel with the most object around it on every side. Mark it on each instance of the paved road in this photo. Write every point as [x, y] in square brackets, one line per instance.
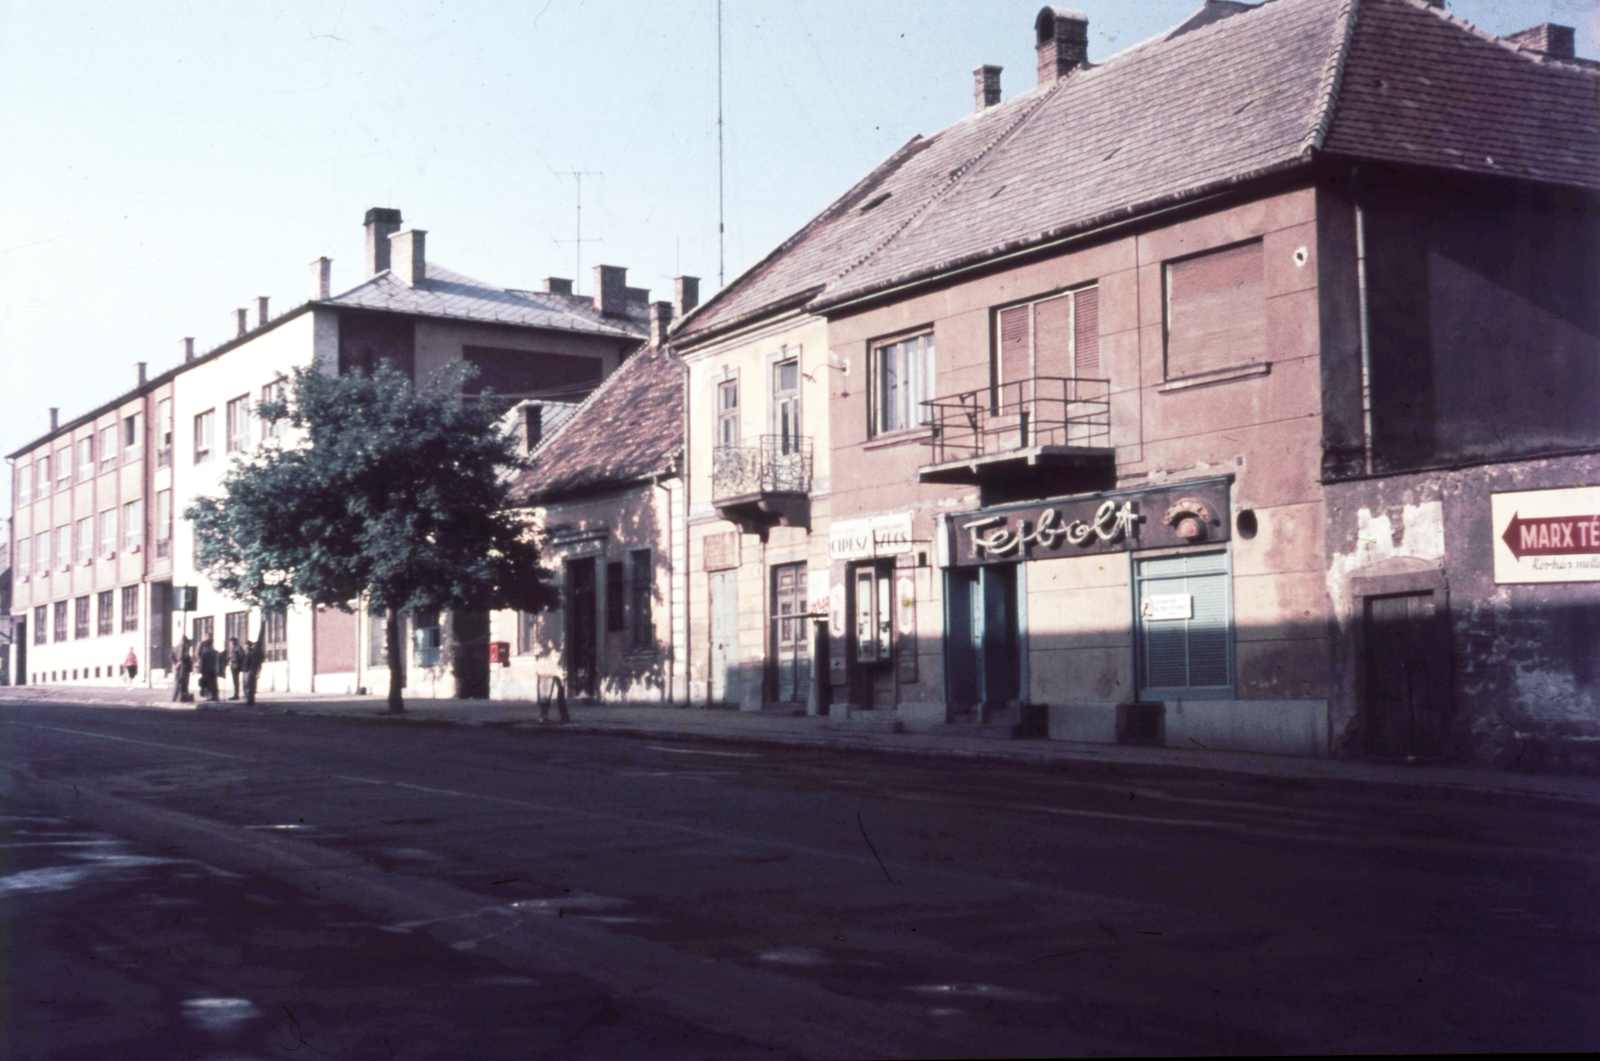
[185, 884]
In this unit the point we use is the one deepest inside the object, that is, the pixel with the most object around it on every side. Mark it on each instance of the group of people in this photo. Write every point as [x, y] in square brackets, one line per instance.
[241, 662]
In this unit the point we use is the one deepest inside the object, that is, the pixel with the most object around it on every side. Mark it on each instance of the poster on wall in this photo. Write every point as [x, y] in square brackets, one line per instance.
[1546, 535]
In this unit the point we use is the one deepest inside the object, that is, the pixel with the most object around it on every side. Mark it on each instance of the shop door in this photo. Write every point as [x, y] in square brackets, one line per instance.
[791, 658]
[582, 654]
[1407, 675]
[723, 687]
[999, 637]
[872, 605]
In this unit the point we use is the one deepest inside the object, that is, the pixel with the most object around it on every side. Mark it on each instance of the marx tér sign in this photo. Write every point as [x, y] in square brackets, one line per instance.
[1547, 535]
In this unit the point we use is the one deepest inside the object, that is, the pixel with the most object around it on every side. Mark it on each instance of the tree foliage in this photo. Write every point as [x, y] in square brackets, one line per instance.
[381, 490]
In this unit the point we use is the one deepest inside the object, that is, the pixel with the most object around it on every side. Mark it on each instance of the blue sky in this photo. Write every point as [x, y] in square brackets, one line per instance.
[164, 163]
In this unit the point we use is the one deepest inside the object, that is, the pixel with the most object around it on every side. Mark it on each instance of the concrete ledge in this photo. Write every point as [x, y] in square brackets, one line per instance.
[1280, 727]
[850, 717]
[1089, 723]
[924, 716]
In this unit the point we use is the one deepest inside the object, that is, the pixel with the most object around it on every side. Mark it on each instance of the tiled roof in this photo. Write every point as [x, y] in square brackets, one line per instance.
[1233, 93]
[628, 430]
[449, 294]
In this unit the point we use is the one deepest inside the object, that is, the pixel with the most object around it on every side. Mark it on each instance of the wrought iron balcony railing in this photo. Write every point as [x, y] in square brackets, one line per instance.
[776, 464]
[1026, 414]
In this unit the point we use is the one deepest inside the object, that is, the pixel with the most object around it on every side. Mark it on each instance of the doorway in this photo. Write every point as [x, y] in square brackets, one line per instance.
[1407, 675]
[984, 639]
[789, 679]
[871, 606]
[581, 637]
[723, 686]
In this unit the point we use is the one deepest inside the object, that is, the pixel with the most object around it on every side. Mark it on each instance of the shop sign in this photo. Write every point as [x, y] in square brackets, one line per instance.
[869, 536]
[1546, 535]
[1187, 514]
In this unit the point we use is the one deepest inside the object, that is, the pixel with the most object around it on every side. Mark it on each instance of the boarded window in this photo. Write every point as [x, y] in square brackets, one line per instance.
[1216, 311]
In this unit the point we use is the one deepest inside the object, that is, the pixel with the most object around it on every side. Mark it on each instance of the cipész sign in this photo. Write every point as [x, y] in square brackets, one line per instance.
[1547, 535]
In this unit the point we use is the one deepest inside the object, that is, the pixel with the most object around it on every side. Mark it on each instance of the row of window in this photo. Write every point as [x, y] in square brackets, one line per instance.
[236, 423]
[92, 537]
[629, 593]
[104, 616]
[91, 454]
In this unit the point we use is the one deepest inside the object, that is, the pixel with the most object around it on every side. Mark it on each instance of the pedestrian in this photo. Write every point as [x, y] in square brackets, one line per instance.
[235, 657]
[181, 666]
[252, 670]
[209, 659]
[130, 668]
[550, 689]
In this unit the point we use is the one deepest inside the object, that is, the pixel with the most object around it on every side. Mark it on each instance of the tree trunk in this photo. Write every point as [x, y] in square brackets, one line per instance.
[396, 661]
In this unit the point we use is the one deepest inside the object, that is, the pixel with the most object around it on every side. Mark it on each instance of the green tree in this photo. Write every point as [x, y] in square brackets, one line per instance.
[386, 491]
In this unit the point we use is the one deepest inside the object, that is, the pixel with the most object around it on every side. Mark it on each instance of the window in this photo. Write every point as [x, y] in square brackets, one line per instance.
[164, 430]
[239, 423]
[63, 465]
[130, 437]
[275, 635]
[377, 636]
[63, 548]
[786, 403]
[41, 481]
[235, 626]
[643, 631]
[1185, 626]
[728, 413]
[108, 532]
[40, 626]
[80, 617]
[24, 484]
[41, 554]
[527, 629]
[85, 458]
[902, 379]
[616, 599]
[1216, 311]
[1056, 336]
[24, 564]
[133, 525]
[85, 530]
[130, 608]
[427, 639]
[108, 446]
[276, 392]
[204, 627]
[205, 427]
[105, 612]
[163, 528]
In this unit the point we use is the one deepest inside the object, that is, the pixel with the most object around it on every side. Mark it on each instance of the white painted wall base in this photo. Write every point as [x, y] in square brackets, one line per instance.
[1283, 727]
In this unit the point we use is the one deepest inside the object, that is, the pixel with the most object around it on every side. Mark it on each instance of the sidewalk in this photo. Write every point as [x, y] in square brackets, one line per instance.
[678, 723]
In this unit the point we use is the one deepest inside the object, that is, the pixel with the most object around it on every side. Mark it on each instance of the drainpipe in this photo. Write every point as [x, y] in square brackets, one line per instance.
[1366, 333]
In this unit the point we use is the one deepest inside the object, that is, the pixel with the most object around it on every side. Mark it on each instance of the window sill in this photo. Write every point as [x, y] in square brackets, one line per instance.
[1221, 375]
[896, 438]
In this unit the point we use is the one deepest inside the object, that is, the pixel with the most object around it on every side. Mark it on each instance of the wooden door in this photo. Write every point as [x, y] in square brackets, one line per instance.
[581, 632]
[1407, 675]
[791, 657]
[723, 686]
[1000, 638]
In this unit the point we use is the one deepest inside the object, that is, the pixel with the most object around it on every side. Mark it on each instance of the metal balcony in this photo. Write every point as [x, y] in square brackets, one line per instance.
[1049, 431]
[763, 485]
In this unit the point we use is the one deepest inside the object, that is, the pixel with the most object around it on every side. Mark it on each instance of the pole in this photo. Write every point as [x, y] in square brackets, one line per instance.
[721, 268]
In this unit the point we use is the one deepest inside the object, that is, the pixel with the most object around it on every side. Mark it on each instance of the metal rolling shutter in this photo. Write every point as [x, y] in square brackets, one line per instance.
[1180, 654]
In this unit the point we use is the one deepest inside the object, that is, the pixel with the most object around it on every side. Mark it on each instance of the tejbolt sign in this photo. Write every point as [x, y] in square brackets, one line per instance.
[1547, 535]
[1185, 514]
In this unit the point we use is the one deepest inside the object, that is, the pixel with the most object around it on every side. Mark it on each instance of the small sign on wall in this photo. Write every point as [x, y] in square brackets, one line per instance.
[1546, 535]
[1158, 607]
[722, 551]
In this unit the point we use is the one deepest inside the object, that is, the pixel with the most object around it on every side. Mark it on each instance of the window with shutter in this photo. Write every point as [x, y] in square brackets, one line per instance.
[1185, 627]
[1216, 311]
[1056, 337]
[1086, 334]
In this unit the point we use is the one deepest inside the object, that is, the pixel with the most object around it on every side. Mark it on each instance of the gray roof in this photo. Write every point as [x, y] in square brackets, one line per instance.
[452, 296]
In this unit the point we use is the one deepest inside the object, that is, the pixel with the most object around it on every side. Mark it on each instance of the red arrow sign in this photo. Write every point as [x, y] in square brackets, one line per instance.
[1552, 535]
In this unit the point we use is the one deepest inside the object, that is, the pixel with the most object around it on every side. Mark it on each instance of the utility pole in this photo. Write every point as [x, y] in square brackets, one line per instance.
[578, 241]
[721, 268]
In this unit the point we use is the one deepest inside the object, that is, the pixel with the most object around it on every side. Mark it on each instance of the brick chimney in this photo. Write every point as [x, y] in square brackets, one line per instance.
[262, 316]
[143, 366]
[1061, 41]
[985, 86]
[408, 256]
[244, 320]
[322, 278]
[188, 348]
[382, 223]
[660, 321]
[685, 294]
[557, 285]
[55, 418]
[1558, 42]
[610, 287]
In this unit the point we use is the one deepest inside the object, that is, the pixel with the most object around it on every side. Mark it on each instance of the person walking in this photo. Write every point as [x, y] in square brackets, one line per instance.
[235, 659]
[252, 670]
[130, 669]
[182, 664]
[209, 659]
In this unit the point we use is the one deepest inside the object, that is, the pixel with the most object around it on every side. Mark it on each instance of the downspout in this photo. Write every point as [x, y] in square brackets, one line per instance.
[684, 471]
[1366, 333]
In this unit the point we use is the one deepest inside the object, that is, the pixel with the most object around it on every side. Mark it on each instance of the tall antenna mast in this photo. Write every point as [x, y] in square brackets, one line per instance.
[578, 241]
[721, 268]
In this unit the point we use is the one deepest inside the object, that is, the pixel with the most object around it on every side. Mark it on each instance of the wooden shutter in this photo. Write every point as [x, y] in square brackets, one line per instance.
[1052, 336]
[1086, 334]
[1014, 344]
[1216, 311]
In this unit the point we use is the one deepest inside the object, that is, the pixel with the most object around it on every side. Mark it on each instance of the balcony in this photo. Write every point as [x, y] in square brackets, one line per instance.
[1031, 437]
[763, 485]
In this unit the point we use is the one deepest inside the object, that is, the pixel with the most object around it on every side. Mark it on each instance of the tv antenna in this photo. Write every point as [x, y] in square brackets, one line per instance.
[578, 241]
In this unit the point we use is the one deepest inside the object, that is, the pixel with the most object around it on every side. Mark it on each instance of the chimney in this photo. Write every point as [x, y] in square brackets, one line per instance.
[244, 320]
[685, 295]
[660, 321]
[1558, 42]
[985, 86]
[1062, 42]
[188, 348]
[55, 418]
[142, 366]
[556, 285]
[408, 256]
[322, 278]
[382, 223]
[261, 312]
[610, 287]
[636, 294]
[532, 427]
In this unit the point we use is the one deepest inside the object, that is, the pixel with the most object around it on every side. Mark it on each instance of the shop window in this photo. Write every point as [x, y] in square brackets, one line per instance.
[80, 618]
[105, 612]
[40, 626]
[1185, 626]
[204, 627]
[236, 627]
[377, 636]
[275, 634]
[641, 583]
[1216, 311]
[902, 379]
[130, 608]
[428, 641]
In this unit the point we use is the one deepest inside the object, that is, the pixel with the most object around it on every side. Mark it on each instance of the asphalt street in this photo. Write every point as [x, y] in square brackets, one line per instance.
[259, 885]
